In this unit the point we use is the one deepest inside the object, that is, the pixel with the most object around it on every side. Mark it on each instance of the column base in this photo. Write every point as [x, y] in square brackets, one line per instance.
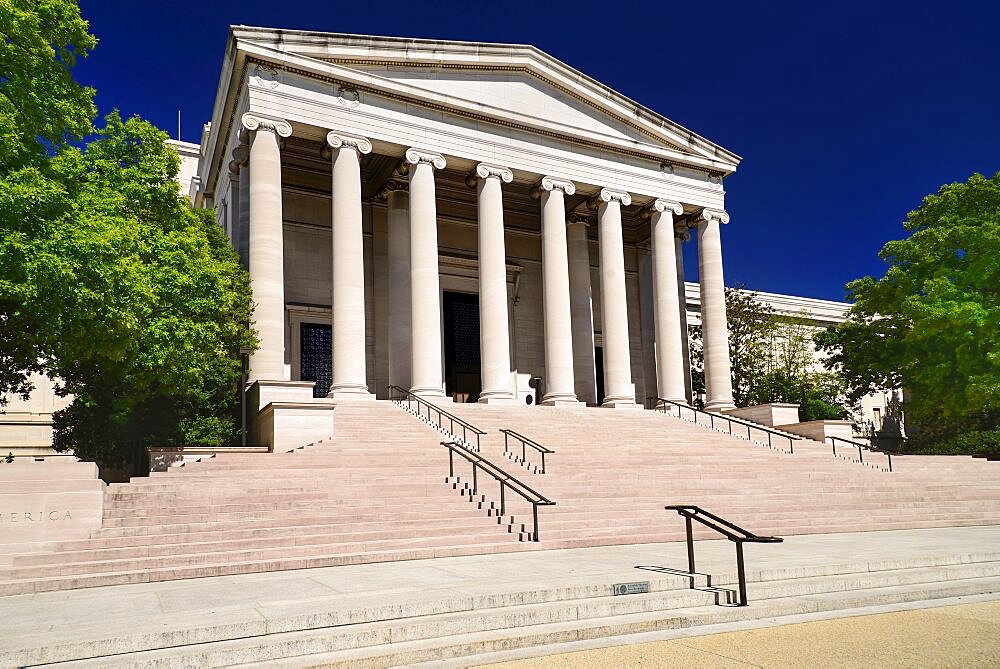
[350, 393]
[620, 404]
[497, 398]
[560, 400]
[719, 405]
[434, 395]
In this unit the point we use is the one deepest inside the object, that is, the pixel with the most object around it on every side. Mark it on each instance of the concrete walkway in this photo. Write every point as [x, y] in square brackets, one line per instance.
[966, 635]
[264, 603]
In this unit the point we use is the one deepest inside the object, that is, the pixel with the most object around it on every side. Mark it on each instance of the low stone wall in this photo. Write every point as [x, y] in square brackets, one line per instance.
[49, 499]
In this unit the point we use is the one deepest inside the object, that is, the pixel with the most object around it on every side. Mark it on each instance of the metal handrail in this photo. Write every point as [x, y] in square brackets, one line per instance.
[731, 531]
[861, 448]
[410, 398]
[505, 480]
[661, 404]
[524, 443]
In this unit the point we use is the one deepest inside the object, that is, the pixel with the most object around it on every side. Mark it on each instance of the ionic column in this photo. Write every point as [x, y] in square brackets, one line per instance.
[266, 246]
[681, 235]
[233, 217]
[494, 330]
[425, 292]
[400, 319]
[559, 385]
[241, 239]
[349, 378]
[714, 328]
[581, 309]
[619, 392]
[666, 305]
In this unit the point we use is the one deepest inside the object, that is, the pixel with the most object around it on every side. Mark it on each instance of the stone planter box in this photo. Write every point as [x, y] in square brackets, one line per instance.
[819, 430]
[767, 414]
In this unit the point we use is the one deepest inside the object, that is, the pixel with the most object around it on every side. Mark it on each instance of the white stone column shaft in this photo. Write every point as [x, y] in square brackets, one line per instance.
[425, 286]
[494, 327]
[233, 215]
[618, 388]
[666, 308]
[582, 311]
[714, 328]
[647, 327]
[241, 236]
[681, 234]
[557, 315]
[266, 247]
[400, 317]
[349, 378]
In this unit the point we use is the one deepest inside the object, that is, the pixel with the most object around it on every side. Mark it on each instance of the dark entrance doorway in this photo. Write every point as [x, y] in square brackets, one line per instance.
[462, 378]
[599, 369]
[314, 359]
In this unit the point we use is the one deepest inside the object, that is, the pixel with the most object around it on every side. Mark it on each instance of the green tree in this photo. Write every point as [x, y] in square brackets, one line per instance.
[931, 325]
[135, 301]
[109, 282]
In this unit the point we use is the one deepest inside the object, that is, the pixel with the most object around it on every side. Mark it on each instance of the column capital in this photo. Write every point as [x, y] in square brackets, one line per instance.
[337, 140]
[255, 122]
[488, 171]
[392, 185]
[608, 195]
[417, 156]
[551, 183]
[708, 215]
[241, 158]
[661, 206]
[682, 231]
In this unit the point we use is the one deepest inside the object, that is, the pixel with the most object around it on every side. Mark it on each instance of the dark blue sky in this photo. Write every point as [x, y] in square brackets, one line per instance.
[846, 114]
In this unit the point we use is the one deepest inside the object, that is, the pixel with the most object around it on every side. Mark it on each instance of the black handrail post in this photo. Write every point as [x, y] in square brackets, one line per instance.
[889, 455]
[769, 440]
[524, 453]
[503, 500]
[833, 442]
[861, 456]
[451, 463]
[741, 573]
[505, 448]
[690, 543]
[534, 513]
[748, 434]
[475, 480]
[543, 463]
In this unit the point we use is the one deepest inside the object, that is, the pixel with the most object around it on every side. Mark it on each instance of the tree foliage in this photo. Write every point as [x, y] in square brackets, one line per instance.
[41, 106]
[931, 325]
[109, 282]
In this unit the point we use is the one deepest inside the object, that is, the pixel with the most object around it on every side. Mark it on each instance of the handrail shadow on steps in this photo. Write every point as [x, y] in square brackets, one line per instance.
[525, 442]
[660, 404]
[861, 448]
[733, 532]
[400, 395]
[479, 463]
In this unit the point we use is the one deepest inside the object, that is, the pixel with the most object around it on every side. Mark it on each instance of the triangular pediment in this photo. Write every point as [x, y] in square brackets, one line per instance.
[516, 92]
[516, 85]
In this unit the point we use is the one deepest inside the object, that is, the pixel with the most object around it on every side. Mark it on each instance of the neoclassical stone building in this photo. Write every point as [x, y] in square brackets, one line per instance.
[455, 217]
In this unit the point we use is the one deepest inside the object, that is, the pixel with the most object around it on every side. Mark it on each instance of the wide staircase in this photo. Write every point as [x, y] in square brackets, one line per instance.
[379, 490]
[373, 492]
[612, 472]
